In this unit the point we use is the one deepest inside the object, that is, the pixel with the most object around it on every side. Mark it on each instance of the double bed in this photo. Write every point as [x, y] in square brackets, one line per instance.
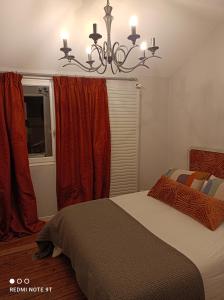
[134, 247]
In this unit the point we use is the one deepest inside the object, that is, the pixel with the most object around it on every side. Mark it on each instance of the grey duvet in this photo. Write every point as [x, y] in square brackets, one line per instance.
[116, 258]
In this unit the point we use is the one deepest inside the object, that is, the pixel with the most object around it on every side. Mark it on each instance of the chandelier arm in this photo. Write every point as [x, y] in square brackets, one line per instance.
[76, 65]
[132, 69]
[152, 56]
[81, 66]
[104, 47]
[104, 70]
[64, 57]
[119, 48]
[112, 67]
[140, 64]
[115, 56]
[114, 45]
[125, 47]
[128, 52]
[120, 66]
[135, 67]
[129, 69]
[100, 51]
[84, 69]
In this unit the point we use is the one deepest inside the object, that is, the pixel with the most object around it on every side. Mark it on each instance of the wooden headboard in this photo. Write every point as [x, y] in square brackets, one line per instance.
[207, 161]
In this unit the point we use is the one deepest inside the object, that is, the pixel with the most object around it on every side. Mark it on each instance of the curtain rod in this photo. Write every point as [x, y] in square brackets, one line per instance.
[49, 76]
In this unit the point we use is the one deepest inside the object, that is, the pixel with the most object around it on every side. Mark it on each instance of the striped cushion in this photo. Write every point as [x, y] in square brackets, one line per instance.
[193, 179]
[203, 208]
[214, 187]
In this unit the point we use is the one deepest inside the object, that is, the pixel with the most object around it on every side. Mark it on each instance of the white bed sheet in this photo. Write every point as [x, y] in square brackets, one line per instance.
[205, 248]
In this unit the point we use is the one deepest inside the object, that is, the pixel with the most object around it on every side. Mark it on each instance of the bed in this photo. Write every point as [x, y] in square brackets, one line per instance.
[134, 247]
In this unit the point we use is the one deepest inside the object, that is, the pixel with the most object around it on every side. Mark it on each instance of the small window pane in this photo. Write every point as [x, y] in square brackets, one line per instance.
[37, 119]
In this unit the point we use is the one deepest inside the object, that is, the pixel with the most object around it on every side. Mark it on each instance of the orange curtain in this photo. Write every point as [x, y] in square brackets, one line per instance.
[82, 140]
[18, 211]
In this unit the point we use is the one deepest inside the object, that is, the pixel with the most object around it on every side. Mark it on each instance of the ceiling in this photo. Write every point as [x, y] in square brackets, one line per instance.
[30, 30]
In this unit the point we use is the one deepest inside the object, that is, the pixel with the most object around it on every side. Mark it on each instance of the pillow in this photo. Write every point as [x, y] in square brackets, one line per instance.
[193, 179]
[204, 209]
[214, 187]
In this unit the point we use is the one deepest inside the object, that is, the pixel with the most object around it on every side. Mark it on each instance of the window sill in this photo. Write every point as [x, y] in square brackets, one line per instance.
[41, 161]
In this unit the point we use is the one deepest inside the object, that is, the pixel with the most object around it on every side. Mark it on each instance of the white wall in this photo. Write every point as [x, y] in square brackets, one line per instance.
[153, 140]
[44, 182]
[183, 111]
[196, 102]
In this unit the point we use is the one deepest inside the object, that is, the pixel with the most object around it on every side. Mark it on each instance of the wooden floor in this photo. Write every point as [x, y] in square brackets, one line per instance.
[16, 262]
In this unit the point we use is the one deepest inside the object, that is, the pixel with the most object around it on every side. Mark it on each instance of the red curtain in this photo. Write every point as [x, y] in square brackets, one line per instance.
[18, 211]
[82, 139]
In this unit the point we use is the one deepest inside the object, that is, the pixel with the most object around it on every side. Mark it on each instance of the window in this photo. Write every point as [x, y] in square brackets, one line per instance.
[38, 119]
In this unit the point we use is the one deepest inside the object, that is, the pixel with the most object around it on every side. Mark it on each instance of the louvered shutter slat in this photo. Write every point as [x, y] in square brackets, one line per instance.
[124, 123]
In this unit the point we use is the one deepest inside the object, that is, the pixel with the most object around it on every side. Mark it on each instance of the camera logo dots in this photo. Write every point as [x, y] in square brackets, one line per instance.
[19, 281]
[11, 280]
[26, 281]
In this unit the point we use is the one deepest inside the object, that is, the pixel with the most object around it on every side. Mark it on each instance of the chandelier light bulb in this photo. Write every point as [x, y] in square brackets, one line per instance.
[143, 46]
[88, 50]
[64, 35]
[89, 53]
[133, 21]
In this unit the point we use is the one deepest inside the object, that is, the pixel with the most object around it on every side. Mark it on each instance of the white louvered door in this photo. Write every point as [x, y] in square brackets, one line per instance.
[124, 123]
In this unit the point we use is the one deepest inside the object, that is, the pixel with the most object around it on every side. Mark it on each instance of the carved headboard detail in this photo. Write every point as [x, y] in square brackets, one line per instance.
[207, 161]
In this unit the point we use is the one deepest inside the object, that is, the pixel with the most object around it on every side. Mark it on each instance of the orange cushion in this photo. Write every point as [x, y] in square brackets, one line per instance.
[204, 209]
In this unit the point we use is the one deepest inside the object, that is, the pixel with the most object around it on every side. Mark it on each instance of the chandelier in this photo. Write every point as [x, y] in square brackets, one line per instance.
[113, 55]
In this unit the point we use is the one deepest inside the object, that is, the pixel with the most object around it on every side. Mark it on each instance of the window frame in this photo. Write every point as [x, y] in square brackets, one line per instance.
[37, 81]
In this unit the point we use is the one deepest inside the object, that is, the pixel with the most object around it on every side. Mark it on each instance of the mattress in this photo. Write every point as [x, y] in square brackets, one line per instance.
[205, 248]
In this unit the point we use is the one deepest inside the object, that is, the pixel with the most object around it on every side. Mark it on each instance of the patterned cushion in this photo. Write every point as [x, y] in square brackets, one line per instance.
[203, 208]
[214, 187]
[193, 179]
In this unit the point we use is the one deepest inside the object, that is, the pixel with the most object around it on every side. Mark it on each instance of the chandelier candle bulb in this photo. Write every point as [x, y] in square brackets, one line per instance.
[65, 43]
[88, 51]
[64, 36]
[153, 42]
[133, 23]
[143, 46]
[133, 30]
[94, 28]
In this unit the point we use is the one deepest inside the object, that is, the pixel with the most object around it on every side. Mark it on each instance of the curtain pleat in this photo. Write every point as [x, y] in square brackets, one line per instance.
[18, 210]
[83, 144]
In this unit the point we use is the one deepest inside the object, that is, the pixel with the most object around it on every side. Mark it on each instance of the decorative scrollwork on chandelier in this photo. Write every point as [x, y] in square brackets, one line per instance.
[115, 55]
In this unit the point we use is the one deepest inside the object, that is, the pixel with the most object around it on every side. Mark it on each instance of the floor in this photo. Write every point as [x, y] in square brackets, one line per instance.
[47, 274]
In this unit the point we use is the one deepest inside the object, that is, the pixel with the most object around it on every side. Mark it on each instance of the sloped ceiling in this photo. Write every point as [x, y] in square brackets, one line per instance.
[30, 29]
